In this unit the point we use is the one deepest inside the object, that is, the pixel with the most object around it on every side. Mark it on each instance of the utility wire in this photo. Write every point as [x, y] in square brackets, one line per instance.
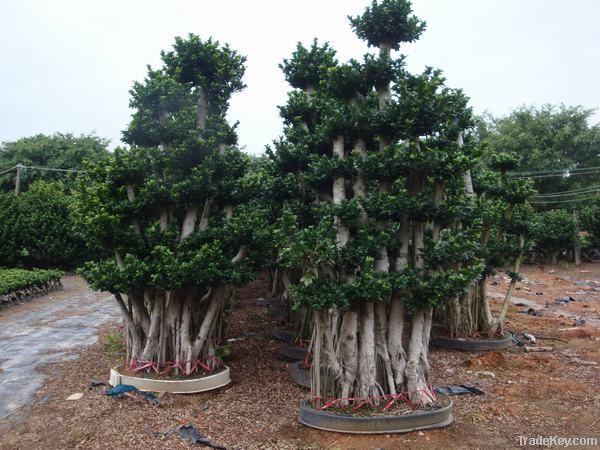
[545, 202]
[566, 174]
[586, 190]
[8, 170]
[540, 172]
[51, 169]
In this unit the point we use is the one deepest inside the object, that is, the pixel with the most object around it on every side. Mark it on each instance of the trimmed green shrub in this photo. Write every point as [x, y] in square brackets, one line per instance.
[556, 231]
[36, 229]
[15, 279]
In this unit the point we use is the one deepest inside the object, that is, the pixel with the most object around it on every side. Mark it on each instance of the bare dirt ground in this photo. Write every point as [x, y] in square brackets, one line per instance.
[553, 393]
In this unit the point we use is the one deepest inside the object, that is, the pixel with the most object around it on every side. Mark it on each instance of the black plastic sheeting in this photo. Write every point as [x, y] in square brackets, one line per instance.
[189, 432]
[458, 390]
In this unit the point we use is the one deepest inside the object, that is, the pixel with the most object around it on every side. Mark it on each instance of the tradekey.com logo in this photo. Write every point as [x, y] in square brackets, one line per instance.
[555, 441]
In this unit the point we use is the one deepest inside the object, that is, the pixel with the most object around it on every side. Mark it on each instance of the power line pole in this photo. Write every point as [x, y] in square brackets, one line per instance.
[18, 180]
[577, 249]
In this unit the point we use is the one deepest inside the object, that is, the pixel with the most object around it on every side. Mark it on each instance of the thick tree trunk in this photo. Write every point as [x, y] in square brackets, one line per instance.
[175, 328]
[382, 350]
[366, 353]
[395, 340]
[201, 109]
[189, 222]
[339, 194]
[348, 351]
[417, 370]
[203, 225]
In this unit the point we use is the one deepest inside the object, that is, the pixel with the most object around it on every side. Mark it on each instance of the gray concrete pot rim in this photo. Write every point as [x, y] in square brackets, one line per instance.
[184, 386]
[330, 421]
[479, 344]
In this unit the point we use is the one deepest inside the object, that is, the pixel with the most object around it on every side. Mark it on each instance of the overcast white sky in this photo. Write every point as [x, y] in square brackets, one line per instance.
[67, 65]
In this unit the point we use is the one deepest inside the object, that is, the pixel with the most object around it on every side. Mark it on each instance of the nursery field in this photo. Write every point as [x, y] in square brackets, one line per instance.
[551, 393]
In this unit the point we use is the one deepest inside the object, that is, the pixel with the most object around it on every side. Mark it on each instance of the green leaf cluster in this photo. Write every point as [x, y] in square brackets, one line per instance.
[37, 229]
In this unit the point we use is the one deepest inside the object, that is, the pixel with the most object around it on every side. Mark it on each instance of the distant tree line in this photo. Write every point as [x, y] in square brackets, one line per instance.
[36, 228]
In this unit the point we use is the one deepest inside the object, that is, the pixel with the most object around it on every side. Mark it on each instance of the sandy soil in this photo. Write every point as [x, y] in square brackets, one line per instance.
[553, 393]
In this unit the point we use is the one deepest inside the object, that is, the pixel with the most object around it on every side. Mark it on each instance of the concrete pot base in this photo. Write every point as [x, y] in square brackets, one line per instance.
[328, 421]
[281, 334]
[187, 386]
[293, 352]
[473, 345]
[300, 375]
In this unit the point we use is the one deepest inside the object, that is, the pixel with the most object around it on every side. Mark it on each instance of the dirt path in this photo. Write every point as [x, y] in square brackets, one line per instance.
[46, 330]
[527, 394]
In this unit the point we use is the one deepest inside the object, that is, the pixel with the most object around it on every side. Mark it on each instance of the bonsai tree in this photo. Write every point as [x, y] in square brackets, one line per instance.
[505, 225]
[381, 151]
[556, 231]
[177, 210]
[290, 161]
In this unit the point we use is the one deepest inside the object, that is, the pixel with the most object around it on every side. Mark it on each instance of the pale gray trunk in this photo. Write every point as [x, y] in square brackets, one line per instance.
[339, 194]
[348, 351]
[131, 198]
[164, 219]
[241, 254]
[381, 347]
[205, 214]
[119, 260]
[469, 183]
[418, 228]
[402, 259]
[499, 322]
[201, 109]
[419, 392]
[395, 340]
[217, 299]
[186, 350]
[228, 212]
[151, 348]
[333, 366]
[366, 353]
[189, 222]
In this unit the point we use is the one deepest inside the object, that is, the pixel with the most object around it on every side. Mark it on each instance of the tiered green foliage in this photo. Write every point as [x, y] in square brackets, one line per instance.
[178, 209]
[426, 150]
[380, 153]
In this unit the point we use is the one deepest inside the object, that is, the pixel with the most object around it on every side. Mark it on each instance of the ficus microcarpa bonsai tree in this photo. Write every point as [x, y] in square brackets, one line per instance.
[385, 161]
[291, 191]
[506, 225]
[177, 210]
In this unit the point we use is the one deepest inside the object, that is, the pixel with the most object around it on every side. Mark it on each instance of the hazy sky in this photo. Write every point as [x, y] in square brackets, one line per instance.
[67, 65]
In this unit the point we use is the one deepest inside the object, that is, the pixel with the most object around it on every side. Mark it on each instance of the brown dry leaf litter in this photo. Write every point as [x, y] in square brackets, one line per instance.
[527, 394]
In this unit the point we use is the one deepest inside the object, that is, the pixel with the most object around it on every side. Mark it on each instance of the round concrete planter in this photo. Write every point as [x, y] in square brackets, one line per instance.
[473, 345]
[281, 334]
[300, 375]
[277, 311]
[341, 423]
[293, 352]
[187, 386]
[267, 301]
